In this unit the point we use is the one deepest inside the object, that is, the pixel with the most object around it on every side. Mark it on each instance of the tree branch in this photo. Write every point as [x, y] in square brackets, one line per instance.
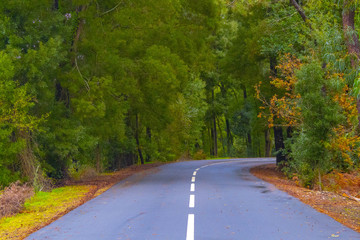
[300, 10]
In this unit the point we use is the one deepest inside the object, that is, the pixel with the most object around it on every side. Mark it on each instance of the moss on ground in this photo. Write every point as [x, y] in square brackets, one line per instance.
[41, 209]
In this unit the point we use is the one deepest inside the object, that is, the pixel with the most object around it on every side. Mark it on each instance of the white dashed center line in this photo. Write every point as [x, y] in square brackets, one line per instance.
[194, 173]
[192, 187]
[190, 227]
[193, 179]
[192, 201]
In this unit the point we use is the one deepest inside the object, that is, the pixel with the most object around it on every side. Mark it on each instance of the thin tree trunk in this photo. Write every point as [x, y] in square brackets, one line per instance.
[249, 145]
[299, 10]
[221, 136]
[228, 137]
[98, 158]
[211, 145]
[248, 139]
[137, 139]
[148, 136]
[56, 4]
[267, 143]
[351, 37]
[278, 131]
[279, 145]
[215, 137]
[260, 150]
[214, 128]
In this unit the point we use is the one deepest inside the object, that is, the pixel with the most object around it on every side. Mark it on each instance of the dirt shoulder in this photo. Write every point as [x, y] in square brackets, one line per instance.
[78, 192]
[103, 182]
[340, 205]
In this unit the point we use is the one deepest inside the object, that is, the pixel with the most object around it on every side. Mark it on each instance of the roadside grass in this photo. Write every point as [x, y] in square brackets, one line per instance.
[41, 209]
[45, 207]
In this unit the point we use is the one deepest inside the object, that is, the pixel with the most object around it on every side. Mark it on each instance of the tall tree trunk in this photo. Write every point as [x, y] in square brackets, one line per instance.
[98, 158]
[137, 139]
[351, 37]
[279, 145]
[214, 127]
[352, 41]
[148, 136]
[260, 155]
[61, 94]
[221, 136]
[215, 137]
[249, 145]
[267, 143]
[278, 131]
[211, 145]
[56, 4]
[229, 140]
[248, 135]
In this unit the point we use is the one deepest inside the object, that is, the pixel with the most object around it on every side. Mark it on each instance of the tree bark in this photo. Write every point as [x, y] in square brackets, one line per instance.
[299, 10]
[352, 42]
[137, 139]
[211, 145]
[278, 131]
[249, 145]
[214, 128]
[228, 136]
[267, 143]
[98, 158]
[351, 37]
[215, 137]
[148, 136]
[56, 4]
[221, 136]
[279, 145]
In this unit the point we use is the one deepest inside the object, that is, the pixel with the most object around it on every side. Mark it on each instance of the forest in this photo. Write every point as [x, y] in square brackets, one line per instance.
[112, 83]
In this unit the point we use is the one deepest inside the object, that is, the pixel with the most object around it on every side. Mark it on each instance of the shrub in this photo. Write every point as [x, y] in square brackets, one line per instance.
[83, 173]
[320, 114]
[199, 155]
[13, 198]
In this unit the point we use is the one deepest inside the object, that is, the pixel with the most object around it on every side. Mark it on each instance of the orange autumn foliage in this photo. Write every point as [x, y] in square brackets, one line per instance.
[345, 142]
[284, 108]
[284, 111]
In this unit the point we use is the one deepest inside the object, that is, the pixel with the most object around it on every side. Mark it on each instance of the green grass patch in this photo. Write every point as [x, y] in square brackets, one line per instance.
[40, 209]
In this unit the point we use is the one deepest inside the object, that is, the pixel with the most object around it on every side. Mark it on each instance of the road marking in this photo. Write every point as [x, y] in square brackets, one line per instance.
[192, 187]
[197, 169]
[190, 227]
[192, 201]
[193, 179]
[194, 173]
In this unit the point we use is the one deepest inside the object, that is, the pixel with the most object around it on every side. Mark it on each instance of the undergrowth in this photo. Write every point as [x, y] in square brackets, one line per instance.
[13, 197]
[40, 209]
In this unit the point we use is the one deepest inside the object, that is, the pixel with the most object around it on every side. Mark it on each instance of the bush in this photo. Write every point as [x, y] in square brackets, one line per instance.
[83, 173]
[320, 114]
[199, 155]
[13, 198]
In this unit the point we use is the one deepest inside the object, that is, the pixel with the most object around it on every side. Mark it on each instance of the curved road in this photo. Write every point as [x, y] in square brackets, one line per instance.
[201, 200]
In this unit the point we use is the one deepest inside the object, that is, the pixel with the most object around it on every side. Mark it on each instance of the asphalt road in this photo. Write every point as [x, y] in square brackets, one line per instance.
[201, 200]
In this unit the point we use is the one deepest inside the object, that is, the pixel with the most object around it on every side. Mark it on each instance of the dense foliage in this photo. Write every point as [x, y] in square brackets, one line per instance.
[113, 83]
